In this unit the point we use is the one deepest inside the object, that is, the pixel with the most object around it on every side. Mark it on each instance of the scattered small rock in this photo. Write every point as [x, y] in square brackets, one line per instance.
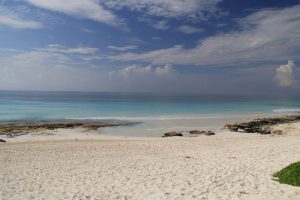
[15, 134]
[196, 132]
[277, 132]
[92, 127]
[1, 140]
[209, 133]
[173, 134]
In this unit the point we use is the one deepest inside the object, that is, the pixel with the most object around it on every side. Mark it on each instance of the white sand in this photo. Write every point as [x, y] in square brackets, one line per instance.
[233, 166]
[292, 128]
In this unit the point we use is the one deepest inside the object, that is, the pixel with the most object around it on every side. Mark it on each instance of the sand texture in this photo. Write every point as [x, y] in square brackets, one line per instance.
[292, 128]
[220, 167]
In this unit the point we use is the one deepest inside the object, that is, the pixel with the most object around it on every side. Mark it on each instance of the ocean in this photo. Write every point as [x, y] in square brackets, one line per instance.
[154, 112]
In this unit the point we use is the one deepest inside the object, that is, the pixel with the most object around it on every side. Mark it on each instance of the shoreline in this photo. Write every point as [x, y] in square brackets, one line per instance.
[228, 165]
[93, 129]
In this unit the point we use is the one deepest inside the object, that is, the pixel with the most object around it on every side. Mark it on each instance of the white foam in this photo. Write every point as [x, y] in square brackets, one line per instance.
[285, 110]
[166, 118]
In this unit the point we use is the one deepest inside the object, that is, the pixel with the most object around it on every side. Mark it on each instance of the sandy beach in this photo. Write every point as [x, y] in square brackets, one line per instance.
[225, 166]
[149, 100]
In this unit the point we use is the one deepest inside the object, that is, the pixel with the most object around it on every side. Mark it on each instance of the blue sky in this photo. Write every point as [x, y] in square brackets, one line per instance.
[197, 46]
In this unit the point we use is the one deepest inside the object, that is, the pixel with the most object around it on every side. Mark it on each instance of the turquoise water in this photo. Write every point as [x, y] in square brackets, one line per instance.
[156, 113]
[88, 105]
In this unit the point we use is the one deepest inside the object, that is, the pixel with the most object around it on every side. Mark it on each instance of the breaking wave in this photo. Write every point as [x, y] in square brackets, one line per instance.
[291, 110]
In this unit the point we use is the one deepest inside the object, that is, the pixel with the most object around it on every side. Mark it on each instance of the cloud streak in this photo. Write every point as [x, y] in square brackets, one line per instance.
[85, 9]
[51, 56]
[268, 35]
[156, 24]
[122, 48]
[189, 29]
[167, 8]
[12, 20]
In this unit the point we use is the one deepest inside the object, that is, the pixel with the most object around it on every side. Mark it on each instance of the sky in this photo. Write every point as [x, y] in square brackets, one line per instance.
[182, 46]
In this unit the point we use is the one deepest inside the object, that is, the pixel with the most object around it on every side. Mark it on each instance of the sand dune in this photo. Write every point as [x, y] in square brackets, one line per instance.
[220, 167]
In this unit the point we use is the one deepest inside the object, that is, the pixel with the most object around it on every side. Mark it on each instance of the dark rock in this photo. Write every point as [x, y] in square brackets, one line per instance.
[172, 134]
[18, 129]
[196, 132]
[1, 140]
[276, 132]
[262, 125]
[93, 127]
[265, 130]
[209, 133]
[231, 127]
[15, 134]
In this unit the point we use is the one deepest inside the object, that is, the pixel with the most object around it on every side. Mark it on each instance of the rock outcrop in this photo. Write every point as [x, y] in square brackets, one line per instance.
[18, 129]
[209, 133]
[197, 132]
[173, 134]
[262, 125]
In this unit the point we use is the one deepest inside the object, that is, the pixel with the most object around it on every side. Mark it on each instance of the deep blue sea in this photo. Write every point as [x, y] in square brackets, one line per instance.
[156, 113]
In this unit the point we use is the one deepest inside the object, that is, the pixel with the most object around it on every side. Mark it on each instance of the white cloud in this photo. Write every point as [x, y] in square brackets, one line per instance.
[59, 77]
[134, 70]
[56, 67]
[167, 8]
[157, 24]
[124, 48]
[53, 67]
[51, 56]
[87, 9]
[189, 29]
[270, 35]
[61, 49]
[164, 71]
[160, 25]
[12, 20]
[147, 78]
[9, 50]
[86, 30]
[37, 59]
[285, 74]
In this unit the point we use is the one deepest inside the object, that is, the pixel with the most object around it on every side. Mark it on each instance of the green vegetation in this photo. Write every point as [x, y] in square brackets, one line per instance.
[289, 175]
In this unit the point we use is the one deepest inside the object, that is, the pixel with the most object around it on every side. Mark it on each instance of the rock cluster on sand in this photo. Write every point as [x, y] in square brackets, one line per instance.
[24, 128]
[18, 129]
[172, 134]
[262, 125]
[196, 132]
[1, 140]
[193, 132]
